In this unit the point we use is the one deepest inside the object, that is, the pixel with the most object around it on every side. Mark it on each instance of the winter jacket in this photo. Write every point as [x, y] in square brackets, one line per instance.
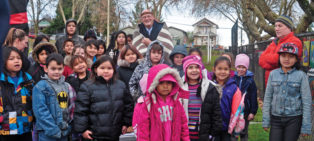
[269, 58]
[247, 85]
[103, 108]
[141, 69]
[75, 82]
[178, 50]
[67, 69]
[288, 95]
[159, 32]
[61, 39]
[210, 114]
[155, 119]
[125, 70]
[229, 92]
[37, 70]
[16, 115]
[53, 106]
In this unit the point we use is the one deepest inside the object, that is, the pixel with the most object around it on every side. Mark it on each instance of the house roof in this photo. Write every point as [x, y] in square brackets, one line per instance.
[179, 30]
[206, 21]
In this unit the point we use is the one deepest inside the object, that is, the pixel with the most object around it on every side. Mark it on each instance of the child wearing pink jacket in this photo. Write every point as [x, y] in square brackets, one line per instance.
[160, 116]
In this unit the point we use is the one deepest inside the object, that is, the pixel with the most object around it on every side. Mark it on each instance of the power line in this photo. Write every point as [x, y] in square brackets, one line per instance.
[192, 25]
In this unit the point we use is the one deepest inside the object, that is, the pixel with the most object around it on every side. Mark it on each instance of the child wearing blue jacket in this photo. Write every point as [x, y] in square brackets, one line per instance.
[53, 102]
[245, 81]
[287, 101]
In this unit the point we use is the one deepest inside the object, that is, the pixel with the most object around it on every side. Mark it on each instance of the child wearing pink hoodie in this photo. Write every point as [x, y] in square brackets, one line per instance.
[160, 116]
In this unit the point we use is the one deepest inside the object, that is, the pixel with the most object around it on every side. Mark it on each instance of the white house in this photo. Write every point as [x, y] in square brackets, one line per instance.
[202, 29]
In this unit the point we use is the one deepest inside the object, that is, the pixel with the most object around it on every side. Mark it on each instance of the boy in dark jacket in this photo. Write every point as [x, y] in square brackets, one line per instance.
[176, 56]
[53, 102]
[245, 81]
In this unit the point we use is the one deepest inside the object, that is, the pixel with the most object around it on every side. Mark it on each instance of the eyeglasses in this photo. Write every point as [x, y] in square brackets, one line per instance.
[146, 16]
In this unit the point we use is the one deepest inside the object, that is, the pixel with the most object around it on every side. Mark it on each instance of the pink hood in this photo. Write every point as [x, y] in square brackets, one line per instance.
[148, 122]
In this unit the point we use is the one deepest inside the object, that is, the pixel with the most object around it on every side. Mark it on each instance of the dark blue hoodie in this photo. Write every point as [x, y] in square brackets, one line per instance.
[178, 49]
[247, 84]
[4, 23]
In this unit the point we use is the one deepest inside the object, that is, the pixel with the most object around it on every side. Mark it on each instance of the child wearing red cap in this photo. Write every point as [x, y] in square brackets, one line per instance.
[287, 101]
[160, 115]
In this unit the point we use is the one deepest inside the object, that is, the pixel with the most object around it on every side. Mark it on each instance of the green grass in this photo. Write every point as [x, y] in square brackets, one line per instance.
[259, 116]
[257, 133]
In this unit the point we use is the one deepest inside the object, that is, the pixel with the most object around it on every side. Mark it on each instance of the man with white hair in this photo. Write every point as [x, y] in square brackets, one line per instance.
[150, 30]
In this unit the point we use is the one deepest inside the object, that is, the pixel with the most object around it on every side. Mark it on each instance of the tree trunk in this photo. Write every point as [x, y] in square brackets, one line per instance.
[61, 11]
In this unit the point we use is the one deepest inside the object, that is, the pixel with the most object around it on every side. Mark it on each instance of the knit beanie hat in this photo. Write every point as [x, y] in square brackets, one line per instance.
[242, 59]
[286, 20]
[192, 59]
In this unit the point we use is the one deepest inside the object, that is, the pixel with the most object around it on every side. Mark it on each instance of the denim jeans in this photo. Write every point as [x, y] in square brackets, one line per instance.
[285, 128]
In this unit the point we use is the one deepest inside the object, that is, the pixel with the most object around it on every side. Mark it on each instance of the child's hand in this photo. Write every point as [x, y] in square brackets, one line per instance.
[266, 129]
[250, 117]
[87, 134]
[124, 129]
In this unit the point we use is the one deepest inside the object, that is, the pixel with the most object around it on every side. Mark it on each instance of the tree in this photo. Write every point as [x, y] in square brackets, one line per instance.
[37, 9]
[257, 16]
[78, 8]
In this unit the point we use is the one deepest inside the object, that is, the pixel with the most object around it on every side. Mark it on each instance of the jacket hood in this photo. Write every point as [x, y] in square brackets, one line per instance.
[162, 60]
[41, 45]
[66, 24]
[124, 63]
[61, 80]
[248, 73]
[178, 49]
[163, 72]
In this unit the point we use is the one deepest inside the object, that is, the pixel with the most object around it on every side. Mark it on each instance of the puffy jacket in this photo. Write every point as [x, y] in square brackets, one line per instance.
[210, 115]
[228, 91]
[46, 107]
[156, 119]
[125, 70]
[141, 69]
[16, 103]
[269, 58]
[247, 85]
[288, 95]
[103, 108]
[74, 81]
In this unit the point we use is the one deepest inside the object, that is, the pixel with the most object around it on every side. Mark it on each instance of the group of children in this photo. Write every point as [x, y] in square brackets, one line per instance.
[86, 96]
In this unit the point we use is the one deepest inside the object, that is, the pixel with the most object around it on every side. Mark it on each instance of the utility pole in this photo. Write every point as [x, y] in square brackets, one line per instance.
[108, 30]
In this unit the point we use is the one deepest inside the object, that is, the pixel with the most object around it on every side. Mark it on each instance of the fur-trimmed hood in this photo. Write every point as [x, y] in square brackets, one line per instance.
[124, 63]
[38, 47]
[160, 71]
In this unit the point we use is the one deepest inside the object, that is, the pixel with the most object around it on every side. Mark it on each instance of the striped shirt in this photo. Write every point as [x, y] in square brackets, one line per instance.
[194, 108]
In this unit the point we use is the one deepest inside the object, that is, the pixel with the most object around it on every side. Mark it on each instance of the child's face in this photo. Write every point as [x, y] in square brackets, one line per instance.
[241, 70]
[130, 56]
[121, 39]
[193, 72]
[80, 51]
[164, 88]
[42, 56]
[54, 70]
[80, 66]
[91, 50]
[14, 62]
[222, 71]
[68, 48]
[177, 59]
[101, 50]
[129, 41]
[105, 70]
[155, 56]
[195, 53]
[287, 60]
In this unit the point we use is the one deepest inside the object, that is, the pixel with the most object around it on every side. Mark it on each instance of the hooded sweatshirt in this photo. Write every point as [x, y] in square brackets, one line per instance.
[75, 38]
[158, 119]
[178, 50]
[141, 69]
